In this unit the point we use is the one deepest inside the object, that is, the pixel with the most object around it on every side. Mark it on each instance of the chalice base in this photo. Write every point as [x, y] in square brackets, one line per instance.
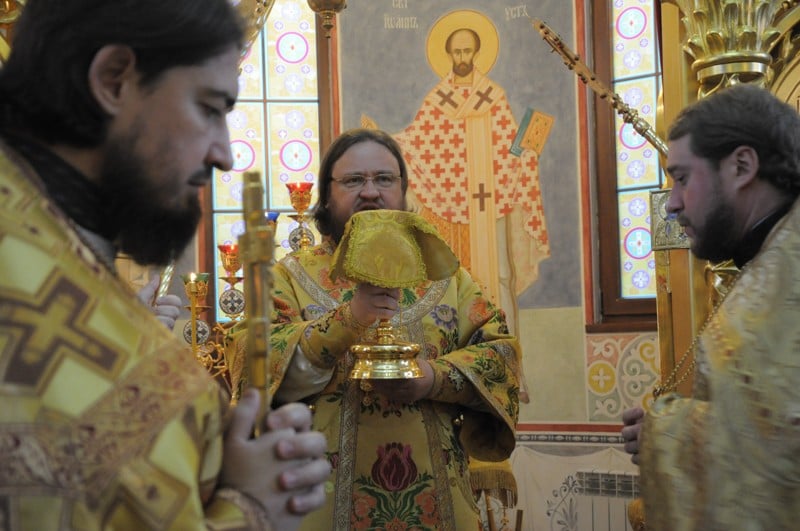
[385, 362]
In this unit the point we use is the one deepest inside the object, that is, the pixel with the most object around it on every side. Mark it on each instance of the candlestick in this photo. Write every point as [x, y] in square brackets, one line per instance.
[231, 300]
[192, 287]
[196, 332]
[301, 238]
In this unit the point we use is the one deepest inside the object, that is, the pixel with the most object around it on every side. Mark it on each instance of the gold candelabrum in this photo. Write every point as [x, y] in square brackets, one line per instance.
[253, 255]
[223, 362]
[301, 237]
[216, 359]
[196, 332]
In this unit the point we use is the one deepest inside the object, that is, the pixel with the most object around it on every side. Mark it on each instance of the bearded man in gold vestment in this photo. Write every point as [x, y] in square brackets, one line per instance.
[399, 447]
[729, 457]
[112, 116]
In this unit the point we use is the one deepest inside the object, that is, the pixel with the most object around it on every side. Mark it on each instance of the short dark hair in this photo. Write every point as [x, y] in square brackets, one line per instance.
[468, 30]
[44, 88]
[322, 213]
[745, 115]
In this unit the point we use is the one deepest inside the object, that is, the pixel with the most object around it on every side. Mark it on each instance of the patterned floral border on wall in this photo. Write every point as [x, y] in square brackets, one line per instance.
[620, 373]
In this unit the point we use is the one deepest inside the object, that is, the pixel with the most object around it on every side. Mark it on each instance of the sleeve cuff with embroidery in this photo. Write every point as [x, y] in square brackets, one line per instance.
[325, 340]
[450, 386]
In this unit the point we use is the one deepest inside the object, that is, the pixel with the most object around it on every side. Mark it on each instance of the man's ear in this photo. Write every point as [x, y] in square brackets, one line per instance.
[746, 160]
[111, 71]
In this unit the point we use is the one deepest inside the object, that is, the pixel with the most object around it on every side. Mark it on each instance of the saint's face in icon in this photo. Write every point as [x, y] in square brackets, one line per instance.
[462, 46]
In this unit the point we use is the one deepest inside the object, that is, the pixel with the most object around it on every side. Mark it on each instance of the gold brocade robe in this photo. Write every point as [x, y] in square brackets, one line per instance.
[106, 419]
[400, 464]
[729, 458]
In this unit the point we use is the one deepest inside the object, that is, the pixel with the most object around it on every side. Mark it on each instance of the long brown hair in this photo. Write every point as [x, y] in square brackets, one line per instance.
[322, 213]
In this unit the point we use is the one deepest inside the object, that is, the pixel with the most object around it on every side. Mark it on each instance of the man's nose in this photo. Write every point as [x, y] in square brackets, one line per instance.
[219, 152]
[673, 205]
[369, 189]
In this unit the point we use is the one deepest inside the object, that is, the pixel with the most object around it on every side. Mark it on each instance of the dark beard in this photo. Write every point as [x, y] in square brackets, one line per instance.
[337, 231]
[717, 243]
[463, 69]
[146, 230]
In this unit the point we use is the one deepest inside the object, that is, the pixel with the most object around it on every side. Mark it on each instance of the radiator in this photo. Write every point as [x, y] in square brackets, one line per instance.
[575, 493]
[592, 501]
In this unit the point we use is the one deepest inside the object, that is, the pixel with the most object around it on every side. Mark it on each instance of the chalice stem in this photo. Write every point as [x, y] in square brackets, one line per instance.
[193, 311]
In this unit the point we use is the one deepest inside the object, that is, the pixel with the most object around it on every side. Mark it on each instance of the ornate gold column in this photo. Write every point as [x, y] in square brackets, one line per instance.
[676, 270]
[709, 45]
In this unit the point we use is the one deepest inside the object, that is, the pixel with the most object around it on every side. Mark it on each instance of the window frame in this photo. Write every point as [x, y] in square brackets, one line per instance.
[615, 313]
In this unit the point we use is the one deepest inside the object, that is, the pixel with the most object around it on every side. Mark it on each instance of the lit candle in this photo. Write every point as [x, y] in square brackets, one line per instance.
[229, 254]
[299, 187]
[228, 248]
[300, 195]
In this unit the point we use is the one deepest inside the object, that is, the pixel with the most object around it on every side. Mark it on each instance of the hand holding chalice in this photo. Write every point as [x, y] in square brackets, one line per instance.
[390, 250]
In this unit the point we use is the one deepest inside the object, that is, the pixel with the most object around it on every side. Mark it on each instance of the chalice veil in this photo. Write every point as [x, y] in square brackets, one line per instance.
[390, 249]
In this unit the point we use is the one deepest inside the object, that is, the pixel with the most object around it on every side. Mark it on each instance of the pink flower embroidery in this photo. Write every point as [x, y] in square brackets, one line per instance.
[394, 470]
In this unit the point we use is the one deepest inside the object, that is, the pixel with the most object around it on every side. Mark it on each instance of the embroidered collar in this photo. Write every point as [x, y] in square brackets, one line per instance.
[754, 239]
[74, 194]
[78, 197]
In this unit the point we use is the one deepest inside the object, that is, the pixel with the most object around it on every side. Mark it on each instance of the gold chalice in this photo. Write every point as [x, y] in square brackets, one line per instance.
[386, 358]
[391, 249]
[301, 238]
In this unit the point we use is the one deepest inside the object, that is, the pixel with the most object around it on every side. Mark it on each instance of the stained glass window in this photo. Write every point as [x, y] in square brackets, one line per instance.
[637, 79]
[274, 127]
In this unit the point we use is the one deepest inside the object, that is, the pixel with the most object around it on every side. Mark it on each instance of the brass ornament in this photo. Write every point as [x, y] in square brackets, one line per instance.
[254, 13]
[733, 42]
[327, 10]
[10, 10]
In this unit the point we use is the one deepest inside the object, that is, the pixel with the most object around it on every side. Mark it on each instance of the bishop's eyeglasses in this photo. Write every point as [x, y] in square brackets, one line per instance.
[357, 181]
